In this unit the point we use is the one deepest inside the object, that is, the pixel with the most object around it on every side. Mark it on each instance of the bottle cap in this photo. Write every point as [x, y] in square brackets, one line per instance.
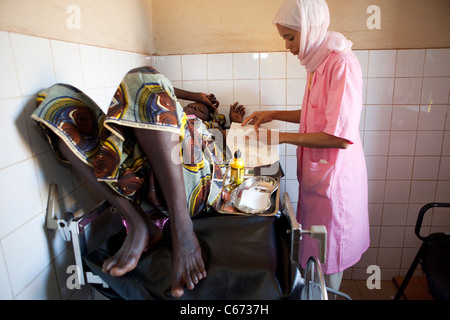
[237, 154]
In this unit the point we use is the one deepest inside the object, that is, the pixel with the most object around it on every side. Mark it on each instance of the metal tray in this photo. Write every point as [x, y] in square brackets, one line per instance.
[271, 186]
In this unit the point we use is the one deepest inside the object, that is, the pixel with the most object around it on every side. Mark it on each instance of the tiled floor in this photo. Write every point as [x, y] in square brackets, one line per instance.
[357, 290]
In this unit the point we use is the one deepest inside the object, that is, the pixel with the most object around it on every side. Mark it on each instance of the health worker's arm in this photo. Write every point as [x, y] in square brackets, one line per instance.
[314, 140]
[258, 118]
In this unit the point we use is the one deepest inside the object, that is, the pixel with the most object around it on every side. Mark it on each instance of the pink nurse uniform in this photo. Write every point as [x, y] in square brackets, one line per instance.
[333, 182]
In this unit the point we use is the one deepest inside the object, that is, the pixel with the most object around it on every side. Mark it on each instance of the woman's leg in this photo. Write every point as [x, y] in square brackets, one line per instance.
[142, 232]
[187, 266]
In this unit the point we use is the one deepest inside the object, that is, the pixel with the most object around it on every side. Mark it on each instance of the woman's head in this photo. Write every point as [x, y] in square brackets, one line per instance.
[304, 26]
[199, 110]
[311, 18]
[291, 38]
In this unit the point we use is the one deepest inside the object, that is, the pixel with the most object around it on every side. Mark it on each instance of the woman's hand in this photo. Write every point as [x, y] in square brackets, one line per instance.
[258, 118]
[237, 113]
[208, 100]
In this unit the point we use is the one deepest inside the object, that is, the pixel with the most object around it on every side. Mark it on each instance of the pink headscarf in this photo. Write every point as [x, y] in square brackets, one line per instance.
[312, 19]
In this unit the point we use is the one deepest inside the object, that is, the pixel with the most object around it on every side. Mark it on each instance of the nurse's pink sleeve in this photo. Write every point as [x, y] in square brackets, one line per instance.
[344, 102]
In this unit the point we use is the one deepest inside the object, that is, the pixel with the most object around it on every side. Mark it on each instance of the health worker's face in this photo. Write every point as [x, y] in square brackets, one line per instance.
[291, 38]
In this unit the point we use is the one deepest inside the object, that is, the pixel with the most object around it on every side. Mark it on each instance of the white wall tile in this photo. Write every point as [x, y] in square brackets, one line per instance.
[220, 66]
[273, 92]
[9, 82]
[246, 66]
[125, 62]
[5, 287]
[273, 65]
[34, 63]
[110, 67]
[290, 168]
[194, 67]
[20, 196]
[435, 90]
[444, 171]
[411, 241]
[375, 214]
[91, 62]
[291, 150]
[426, 168]
[376, 143]
[413, 213]
[13, 127]
[443, 191]
[52, 171]
[376, 191]
[170, 66]
[25, 260]
[446, 144]
[195, 86]
[376, 167]
[223, 90]
[247, 92]
[44, 287]
[295, 91]
[389, 258]
[395, 215]
[402, 143]
[437, 63]
[400, 168]
[429, 143]
[447, 124]
[363, 58]
[99, 97]
[292, 190]
[380, 90]
[432, 117]
[410, 63]
[391, 237]
[397, 191]
[422, 191]
[382, 63]
[405, 117]
[67, 62]
[407, 90]
[378, 117]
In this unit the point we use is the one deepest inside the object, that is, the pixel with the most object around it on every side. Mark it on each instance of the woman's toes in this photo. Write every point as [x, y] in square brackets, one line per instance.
[177, 292]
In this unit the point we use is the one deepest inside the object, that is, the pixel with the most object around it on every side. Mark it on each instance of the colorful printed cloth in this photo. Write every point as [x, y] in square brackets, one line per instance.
[145, 99]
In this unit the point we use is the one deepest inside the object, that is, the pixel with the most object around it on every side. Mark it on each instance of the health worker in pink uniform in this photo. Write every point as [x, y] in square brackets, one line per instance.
[331, 167]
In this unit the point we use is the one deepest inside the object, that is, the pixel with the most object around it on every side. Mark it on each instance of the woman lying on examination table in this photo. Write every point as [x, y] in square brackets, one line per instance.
[331, 167]
[138, 145]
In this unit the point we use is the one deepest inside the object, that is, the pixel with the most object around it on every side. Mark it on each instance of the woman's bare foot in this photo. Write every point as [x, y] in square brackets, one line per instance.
[187, 267]
[141, 234]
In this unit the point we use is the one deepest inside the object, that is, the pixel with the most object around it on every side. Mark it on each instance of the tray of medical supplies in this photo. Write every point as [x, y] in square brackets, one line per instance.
[257, 195]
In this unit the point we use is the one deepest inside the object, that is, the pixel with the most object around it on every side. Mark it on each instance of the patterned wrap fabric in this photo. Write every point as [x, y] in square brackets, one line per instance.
[145, 99]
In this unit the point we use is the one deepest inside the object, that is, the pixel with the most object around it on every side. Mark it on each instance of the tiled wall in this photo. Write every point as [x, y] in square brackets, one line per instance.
[33, 261]
[405, 127]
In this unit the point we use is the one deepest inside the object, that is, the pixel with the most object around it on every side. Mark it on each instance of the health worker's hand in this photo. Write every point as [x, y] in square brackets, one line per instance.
[258, 118]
